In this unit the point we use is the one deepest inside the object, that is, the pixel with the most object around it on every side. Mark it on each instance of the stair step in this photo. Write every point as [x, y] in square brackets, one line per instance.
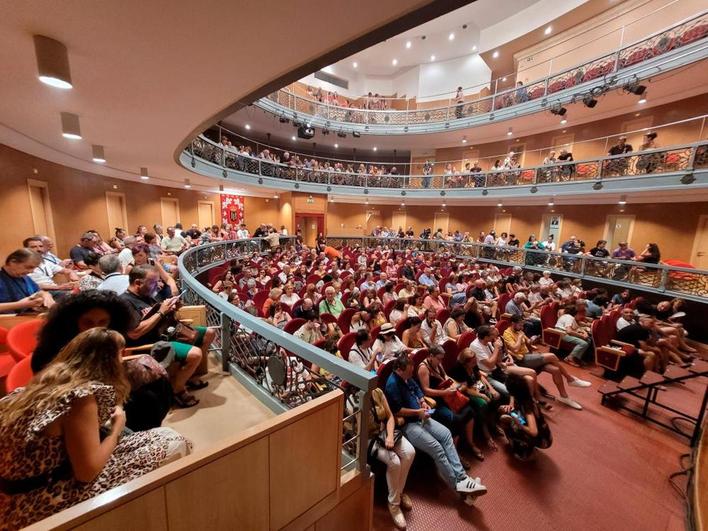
[608, 387]
[652, 378]
[674, 372]
[698, 367]
[629, 382]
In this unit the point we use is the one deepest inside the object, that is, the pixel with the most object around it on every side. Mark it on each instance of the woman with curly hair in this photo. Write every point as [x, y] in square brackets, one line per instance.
[62, 437]
[151, 394]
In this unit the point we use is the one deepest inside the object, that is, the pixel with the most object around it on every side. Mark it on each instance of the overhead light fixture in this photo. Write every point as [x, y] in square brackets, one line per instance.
[432, 58]
[336, 146]
[70, 126]
[474, 48]
[499, 205]
[495, 54]
[394, 62]
[464, 139]
[623, 200]
[564, 121]
[509, 132]
[99, 155]
[558, 109]
[342, 134]
[643, 99]
[634, 87]
[503, 79]
[589, 101]
[331, 199]
[293, 137]
[52, 62]
[144, 174]
[403, 204]
[375, 148]
[187, 184]
[548, 30]
[356, 134]
[409, 44]
[248, 127]
[451, 37]
[355, 64]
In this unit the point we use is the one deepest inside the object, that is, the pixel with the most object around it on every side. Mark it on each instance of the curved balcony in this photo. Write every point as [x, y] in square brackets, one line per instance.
[272, 365]
[657, 169]
[690, 284]
[674, 47]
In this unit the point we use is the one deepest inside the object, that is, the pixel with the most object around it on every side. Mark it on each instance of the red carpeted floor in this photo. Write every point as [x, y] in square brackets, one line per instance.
[606, 470]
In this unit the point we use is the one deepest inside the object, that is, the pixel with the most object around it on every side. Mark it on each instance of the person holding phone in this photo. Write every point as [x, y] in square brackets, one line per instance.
[18, 292]
[148, 313]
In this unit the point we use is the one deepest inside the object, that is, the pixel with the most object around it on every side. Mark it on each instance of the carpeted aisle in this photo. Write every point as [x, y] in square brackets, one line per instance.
[606, 470]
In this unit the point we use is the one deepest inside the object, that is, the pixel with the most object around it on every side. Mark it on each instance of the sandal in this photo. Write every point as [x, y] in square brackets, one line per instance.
[477, 453]
[196, 385]
[185, 400]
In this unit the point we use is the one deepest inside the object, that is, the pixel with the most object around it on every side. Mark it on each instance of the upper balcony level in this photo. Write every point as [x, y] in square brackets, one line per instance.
[673, 47]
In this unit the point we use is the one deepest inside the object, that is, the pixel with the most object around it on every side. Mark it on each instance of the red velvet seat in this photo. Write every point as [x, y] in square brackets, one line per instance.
[345, 318]
[451, 350]
[345, 344]
[465, 339]
[258, 301]
[19, 375]
[384, 371]
[328, 318]
[293, 325]
[22, 338]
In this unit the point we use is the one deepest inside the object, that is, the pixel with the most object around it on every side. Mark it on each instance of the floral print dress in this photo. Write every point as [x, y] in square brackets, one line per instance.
[27, 451]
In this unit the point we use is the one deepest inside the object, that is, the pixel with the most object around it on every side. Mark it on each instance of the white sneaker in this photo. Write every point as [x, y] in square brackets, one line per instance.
[398, 519]
[470, 486]
[577, 382]
[569, 402]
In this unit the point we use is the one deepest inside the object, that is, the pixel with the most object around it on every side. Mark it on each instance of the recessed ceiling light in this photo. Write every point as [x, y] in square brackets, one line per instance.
[643, 99]
[248, 127]
[474, 48]
[503, 79]
[623, 200]
[409, 44]
[565, 130]
[336, 146]
[564, 121]
[548, 30]
[144, 174]
[451, 37]
[432, 58]
[464, 140]
[403, 204]
[98, 154]
[444, 205]
[499, 205]
[293, 137]
[394, 62]
[375, 148]
[355, 64]
[495, 54]
[510, 132]
[70, 126]
[52, 62]
[187, 184]
[275, 196]
[637, 114]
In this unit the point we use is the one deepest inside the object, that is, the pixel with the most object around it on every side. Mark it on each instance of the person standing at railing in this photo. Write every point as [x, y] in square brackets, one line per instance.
[619, 166]
[567, 170]
[427, 171]
[522, 95]
[460, 100]
[648, 163]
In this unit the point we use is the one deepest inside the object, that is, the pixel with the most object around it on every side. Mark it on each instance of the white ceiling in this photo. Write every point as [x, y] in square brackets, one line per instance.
[477, 16]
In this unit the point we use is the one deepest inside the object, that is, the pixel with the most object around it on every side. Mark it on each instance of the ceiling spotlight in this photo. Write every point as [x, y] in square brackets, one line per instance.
[394, 62]
[336, 146]
[550, 203]
[558, 109]
[634, 87]
[403, 204]
[623, 200]
[293, 138]
[355, 64]
[451, 37]
[355, 134]
[409, 44]
[474, 48]
[499, 205]
[187, 184]
[98, 154]
[70, 126]
[589, 101]
[52, 62]
[432, 58]
[495, 54]
[503, 79]
[248, 127]
[548, 30]
[444, 205]
[464, 139]
[564, 121]
[276, 196]
[375, 148]
[342, 134]
[643, 99]
[509, 132]
[144, 174]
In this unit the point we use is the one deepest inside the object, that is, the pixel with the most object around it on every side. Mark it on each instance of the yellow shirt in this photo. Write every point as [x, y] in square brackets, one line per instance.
[510, 338]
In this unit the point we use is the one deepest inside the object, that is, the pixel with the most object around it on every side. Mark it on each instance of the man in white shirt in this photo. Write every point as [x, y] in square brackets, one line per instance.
[242, 233]
[114, 280]
[173, 243]
[43, 274]
[431, 330]
[49, 255]
[125, 257]
[573, 334]
[546, 281]
[626, 319]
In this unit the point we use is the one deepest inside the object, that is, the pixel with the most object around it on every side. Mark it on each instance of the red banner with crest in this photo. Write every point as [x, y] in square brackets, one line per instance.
[232, 209]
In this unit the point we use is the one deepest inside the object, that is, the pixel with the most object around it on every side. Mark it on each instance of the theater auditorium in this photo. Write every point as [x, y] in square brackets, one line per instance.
[332, 265]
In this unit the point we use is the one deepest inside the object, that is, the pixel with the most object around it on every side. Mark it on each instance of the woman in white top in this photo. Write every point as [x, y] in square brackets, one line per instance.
[361, 354]
[455, 325]
[289, 296]
[387, 346]
[398, 312]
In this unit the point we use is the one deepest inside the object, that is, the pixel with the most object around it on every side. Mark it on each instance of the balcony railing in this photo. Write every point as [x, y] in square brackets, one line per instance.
[274, 365]
[685, 158]
[656, 45]
[672, 281]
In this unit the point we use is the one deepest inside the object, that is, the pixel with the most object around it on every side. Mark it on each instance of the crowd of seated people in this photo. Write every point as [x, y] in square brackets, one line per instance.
[404, 306]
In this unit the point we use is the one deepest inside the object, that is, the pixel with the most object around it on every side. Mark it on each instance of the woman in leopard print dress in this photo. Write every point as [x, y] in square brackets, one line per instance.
[51, 453]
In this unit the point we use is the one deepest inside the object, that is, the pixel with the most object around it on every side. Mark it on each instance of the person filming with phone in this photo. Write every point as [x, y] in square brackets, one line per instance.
[156, 321]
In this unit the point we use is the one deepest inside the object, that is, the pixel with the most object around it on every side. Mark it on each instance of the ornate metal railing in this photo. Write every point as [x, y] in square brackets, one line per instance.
[673, 38]
[674, 159]
[275, 366]
[657, 278]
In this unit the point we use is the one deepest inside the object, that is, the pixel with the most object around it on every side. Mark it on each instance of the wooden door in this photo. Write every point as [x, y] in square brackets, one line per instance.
[170, 211]
[205, 214]
[441, 221]
[116, 211]
[41, 208]
[398, 219]
[619, 229]
[699, 255]
[502, 223]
